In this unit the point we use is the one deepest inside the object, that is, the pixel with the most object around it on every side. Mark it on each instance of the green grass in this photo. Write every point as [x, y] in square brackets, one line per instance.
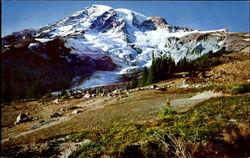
[87, 150]
[206, 120]
[236, 88]
[204, 123]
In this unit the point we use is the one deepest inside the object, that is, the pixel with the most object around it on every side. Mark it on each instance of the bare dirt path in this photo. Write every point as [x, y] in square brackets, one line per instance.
[184, 104]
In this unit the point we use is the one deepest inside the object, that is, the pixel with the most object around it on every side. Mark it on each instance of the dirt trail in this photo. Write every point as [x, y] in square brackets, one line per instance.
[184, 104]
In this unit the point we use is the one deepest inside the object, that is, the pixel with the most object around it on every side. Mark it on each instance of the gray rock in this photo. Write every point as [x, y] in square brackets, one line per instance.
[153, 87]
[55, 115]
[57, 101]
[76, 112]
[86, 96]
[41, 123]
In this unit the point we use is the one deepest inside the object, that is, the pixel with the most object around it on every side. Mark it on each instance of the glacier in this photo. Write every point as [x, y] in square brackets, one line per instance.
[129, 38]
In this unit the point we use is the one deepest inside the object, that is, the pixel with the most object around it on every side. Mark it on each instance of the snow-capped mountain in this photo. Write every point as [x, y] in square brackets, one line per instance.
[128, 37]
[115, 41]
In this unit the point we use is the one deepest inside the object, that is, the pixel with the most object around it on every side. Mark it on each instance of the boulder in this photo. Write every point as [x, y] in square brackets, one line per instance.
[126, 92]
[55, 114]
[101, 94]
[56, 101]
[87, 96]
[21, 118]
[76, 112]
[153, 86]
[71, 97]
[116, 92]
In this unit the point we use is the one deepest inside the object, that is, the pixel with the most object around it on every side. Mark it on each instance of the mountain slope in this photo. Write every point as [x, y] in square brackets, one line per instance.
[97, 44]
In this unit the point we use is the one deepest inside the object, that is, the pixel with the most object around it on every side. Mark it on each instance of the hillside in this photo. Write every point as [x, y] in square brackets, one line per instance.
[130, 120]
[113, 83]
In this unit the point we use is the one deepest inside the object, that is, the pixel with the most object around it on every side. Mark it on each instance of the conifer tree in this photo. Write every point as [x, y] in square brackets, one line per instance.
[151, 73]
[145, 76]
[133, 83]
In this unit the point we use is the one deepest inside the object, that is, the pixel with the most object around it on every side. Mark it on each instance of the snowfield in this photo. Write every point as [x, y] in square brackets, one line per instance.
[99, 78]
[129, 38]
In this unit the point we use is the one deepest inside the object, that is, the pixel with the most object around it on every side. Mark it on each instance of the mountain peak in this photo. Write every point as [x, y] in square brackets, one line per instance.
[99, 6]
[97, 9]
[158, 20]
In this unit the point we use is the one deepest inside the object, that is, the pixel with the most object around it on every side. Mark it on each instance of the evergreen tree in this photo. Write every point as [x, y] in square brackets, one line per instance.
[167, 66]
[156, 68]
[151, 73]
[133, 83]
[182, 65]
[144, 76]
[163, 68]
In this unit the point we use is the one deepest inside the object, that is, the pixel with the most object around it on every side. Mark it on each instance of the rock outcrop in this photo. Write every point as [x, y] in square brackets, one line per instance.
[21, 118]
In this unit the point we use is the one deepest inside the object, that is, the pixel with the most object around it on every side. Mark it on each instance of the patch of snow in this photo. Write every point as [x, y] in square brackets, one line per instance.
[128, 70]
[56, 93]
[156, 38]
[33, 45]
[100, 78]
[98, 10]
[130, 15]
[210, 31]
[221, 43]
[43, 40]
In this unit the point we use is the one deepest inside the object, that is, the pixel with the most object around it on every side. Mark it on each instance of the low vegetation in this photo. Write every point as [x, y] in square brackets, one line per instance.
[236, 88]
[201, 130]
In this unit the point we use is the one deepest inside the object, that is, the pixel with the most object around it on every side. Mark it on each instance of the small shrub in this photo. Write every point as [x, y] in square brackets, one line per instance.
[236, 89]
[167, 113]
[87, 150]
[178, 145]
[239, 88]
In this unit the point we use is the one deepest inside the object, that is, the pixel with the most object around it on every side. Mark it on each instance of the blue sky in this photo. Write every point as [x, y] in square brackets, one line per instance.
[201, 15]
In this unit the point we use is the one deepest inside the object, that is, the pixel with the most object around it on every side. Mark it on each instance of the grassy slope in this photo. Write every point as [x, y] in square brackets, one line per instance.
[213, 122]
[96, 113]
